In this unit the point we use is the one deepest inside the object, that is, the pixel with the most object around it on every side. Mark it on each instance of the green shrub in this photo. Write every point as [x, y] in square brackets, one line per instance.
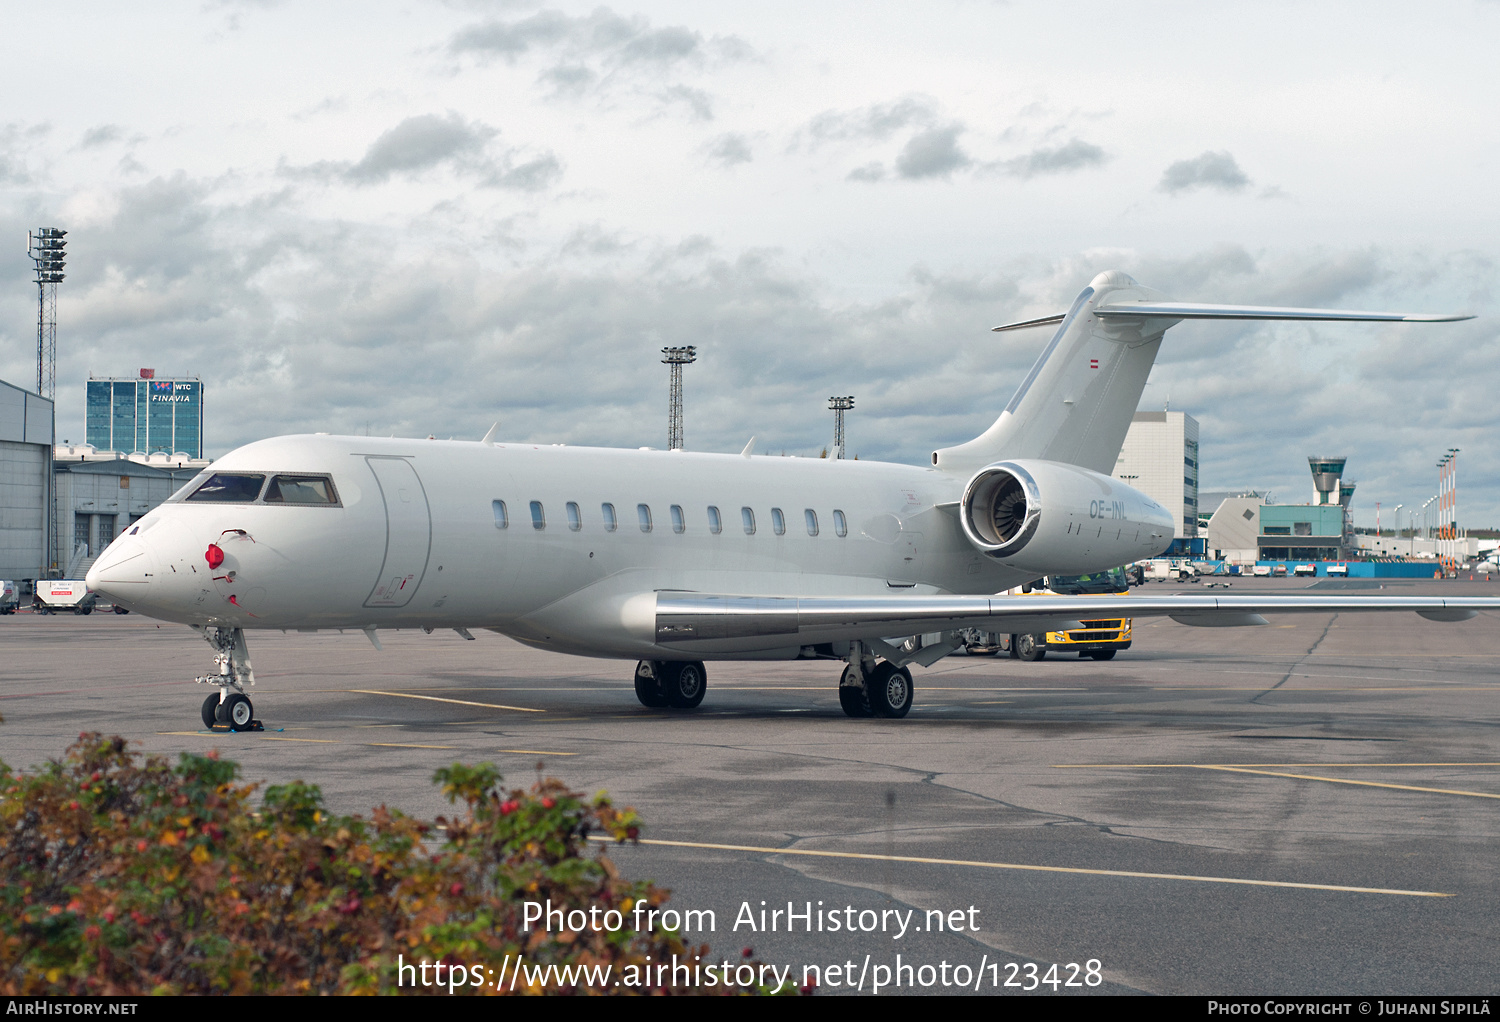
[126, 875]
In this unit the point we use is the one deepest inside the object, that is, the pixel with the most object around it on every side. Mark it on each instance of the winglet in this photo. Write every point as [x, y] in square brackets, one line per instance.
[749, 449]
[489, 438]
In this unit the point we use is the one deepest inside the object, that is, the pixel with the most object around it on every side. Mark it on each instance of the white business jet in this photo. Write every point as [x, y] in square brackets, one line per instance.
[674, 558]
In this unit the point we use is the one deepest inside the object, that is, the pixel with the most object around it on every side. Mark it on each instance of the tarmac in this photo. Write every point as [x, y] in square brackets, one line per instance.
[1308, 807]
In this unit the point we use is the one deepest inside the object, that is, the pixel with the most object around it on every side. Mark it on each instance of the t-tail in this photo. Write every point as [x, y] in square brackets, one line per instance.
[1076, 403]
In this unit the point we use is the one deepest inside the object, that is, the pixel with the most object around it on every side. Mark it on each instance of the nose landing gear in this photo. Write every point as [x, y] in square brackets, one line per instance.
[232, 709]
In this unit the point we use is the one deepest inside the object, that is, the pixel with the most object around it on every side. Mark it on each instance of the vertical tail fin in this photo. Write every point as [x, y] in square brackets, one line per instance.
[1076, 403]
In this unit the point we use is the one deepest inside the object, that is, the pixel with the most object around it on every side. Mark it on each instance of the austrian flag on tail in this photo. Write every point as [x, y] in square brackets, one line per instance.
[1093, 363]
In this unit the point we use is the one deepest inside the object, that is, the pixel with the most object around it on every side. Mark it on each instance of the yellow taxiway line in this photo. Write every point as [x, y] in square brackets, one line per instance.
[1255, 768]
[1033, 868]
[437, 699]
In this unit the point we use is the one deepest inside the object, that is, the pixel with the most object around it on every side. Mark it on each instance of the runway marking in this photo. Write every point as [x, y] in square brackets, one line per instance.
[436, 699]
[537, 752]
[1163, 766]
[1037, 869]
[1342, 688]
[402, 745]
[1250, 769]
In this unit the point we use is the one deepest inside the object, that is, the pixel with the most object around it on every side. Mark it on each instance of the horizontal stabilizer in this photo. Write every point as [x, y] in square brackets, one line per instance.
[1195, 310]
[1044, 321]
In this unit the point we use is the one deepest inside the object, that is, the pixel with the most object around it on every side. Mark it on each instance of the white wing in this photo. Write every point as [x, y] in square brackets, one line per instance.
[709, 623]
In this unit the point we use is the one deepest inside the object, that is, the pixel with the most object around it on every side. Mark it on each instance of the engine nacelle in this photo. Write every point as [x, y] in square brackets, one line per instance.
[1050, 518]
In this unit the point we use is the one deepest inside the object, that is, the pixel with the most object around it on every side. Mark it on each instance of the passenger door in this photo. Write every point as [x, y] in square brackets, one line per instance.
[408, 532]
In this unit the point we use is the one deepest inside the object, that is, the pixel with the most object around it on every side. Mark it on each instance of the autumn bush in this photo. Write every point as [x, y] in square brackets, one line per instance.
[122, 874]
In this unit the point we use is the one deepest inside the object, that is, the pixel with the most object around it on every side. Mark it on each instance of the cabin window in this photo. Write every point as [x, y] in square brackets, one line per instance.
[538, 518]
[678, 525]
[840, 524]
[778, 521]
[643, 512]
[811, 518]
[502, 516]
[611, 520]
[715, 523]
[229, 488]
[575, 518]
[300, 490]
[748, 517]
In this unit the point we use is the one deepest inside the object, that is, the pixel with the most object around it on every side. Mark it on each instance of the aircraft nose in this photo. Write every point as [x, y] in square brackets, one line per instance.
[123, 571]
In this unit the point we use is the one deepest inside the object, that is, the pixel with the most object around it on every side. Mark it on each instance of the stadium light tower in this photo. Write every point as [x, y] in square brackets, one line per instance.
[46, 248]
[840, 405]
[676, 358]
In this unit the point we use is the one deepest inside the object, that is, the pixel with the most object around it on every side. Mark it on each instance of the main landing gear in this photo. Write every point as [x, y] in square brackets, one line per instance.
[677, 684]
[229, 708]
[871, 688]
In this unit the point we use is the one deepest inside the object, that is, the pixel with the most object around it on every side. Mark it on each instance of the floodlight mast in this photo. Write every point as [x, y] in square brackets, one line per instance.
[676, 358]
[46, 248]
[840, 405]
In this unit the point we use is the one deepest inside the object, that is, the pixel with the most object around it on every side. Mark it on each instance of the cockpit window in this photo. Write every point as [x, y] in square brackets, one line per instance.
[229, 488]
[191, 485]
[301, 490]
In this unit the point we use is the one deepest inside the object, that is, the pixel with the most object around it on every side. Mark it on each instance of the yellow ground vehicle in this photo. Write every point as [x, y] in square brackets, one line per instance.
[1098, 639]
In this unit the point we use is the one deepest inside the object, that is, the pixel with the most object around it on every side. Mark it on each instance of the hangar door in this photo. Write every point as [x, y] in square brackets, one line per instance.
[408, 532]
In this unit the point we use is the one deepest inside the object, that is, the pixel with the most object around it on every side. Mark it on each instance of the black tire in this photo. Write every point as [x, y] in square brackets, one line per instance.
[890, 690]
[120, 610]
[684, 684]
[84, 610]
[1102, 654]
[853, 695]
[648, 685]
[1030, 647]
[1013, 654]
[211, 710]
[237, 712]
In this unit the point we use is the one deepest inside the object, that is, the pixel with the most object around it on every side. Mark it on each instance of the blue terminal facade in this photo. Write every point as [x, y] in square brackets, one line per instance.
[146, 415]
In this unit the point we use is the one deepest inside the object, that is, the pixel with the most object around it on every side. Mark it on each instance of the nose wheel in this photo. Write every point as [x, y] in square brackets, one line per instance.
[230, 708]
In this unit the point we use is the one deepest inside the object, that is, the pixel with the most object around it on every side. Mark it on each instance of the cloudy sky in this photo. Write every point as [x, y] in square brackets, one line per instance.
[422, 217]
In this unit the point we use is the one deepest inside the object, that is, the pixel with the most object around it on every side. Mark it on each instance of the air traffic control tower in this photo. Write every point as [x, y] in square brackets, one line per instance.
[1330, 488]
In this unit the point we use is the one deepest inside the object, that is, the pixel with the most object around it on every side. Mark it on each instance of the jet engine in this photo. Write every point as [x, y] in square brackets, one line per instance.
[1050, 518]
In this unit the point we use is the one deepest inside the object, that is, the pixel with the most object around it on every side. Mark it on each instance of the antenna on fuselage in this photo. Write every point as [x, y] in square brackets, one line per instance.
[749, 449]
[489, 438]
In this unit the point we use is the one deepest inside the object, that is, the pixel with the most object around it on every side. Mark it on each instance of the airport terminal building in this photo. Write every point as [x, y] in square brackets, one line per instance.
[1160, 458]
[145, 415]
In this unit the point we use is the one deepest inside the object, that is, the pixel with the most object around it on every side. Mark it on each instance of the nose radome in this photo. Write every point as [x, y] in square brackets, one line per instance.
[123, 570]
